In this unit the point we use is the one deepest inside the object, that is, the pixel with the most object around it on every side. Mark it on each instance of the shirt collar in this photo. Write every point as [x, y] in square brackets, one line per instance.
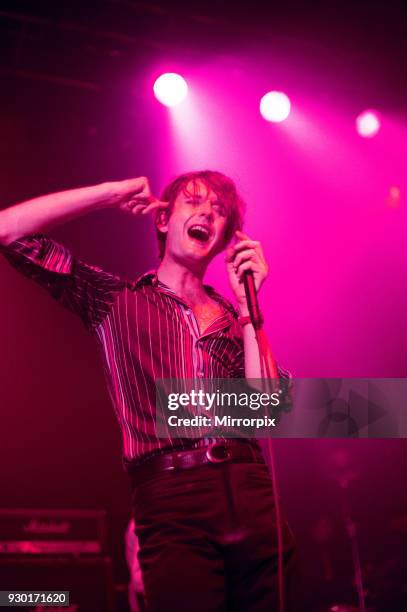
[150, 278]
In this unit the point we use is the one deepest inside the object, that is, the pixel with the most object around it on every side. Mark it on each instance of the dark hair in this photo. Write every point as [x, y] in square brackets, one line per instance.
[221, 185]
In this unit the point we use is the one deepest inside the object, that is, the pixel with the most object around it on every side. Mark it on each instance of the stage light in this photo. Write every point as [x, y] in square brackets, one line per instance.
[170, 89]
[275, 106]
[368, 124]
[394, 196]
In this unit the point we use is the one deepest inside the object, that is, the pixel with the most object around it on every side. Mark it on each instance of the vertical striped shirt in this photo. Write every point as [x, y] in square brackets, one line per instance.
[144, 332]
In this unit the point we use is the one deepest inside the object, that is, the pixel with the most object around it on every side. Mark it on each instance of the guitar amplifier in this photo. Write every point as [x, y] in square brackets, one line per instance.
[52, 532]
[88, 580]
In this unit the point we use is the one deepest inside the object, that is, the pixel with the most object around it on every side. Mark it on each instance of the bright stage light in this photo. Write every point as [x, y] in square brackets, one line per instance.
[275, 106]
[394, 196]
[368, 124]
[170, 89]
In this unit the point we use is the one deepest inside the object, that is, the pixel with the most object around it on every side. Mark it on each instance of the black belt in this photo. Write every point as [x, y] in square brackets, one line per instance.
[217, 452]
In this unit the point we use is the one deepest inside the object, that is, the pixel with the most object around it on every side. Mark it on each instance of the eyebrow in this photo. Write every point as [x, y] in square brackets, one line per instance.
[197, 196]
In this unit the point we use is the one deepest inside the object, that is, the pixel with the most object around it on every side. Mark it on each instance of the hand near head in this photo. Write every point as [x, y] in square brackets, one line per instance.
[134, 196]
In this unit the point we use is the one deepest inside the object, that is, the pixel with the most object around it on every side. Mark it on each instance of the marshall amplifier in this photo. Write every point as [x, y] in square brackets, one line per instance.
[52, 532]
[88, 580]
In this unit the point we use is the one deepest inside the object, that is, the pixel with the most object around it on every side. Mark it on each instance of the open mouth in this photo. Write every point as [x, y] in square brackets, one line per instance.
[199, 232]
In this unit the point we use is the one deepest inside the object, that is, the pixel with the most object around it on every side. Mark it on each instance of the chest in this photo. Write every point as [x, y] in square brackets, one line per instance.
[148, 336]
[205, 314]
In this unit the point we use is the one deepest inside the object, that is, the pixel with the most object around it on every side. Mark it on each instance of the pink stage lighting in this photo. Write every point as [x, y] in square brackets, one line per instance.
[275, 106]
[368, 124]
[170, 89]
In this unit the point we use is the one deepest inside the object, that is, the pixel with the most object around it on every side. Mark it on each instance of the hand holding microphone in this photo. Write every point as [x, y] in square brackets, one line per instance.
[247, 270]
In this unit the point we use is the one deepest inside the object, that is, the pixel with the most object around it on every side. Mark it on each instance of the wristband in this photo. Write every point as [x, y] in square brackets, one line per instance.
[244, 320]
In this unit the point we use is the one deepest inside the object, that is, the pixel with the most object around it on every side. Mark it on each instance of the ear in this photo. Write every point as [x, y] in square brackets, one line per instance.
[161, 221]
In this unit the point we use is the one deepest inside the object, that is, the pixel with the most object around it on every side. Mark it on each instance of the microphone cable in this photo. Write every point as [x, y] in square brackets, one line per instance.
[269, 378]
[268, 364]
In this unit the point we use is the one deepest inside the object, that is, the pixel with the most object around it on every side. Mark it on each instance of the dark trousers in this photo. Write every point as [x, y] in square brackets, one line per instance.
[208, 539]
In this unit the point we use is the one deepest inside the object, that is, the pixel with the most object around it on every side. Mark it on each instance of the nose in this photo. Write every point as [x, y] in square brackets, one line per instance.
[205, 208]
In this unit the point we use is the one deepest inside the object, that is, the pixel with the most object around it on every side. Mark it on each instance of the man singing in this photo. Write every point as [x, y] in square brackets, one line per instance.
[204, 508]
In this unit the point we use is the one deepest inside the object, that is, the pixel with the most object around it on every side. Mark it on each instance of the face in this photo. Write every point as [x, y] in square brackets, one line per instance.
[196, 227]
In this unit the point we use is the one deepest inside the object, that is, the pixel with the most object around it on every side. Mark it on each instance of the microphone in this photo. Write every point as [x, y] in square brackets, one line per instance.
[251, 297]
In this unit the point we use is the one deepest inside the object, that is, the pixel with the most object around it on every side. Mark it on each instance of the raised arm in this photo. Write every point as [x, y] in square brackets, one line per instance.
[45, 212]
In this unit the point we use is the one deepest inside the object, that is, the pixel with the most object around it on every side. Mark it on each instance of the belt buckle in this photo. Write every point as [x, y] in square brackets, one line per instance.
[218, 452]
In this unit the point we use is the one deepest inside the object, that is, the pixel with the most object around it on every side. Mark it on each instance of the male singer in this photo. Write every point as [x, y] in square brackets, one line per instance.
[204, 508]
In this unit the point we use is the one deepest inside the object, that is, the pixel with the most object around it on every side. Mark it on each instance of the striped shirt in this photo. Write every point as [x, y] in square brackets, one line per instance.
[144, 332]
